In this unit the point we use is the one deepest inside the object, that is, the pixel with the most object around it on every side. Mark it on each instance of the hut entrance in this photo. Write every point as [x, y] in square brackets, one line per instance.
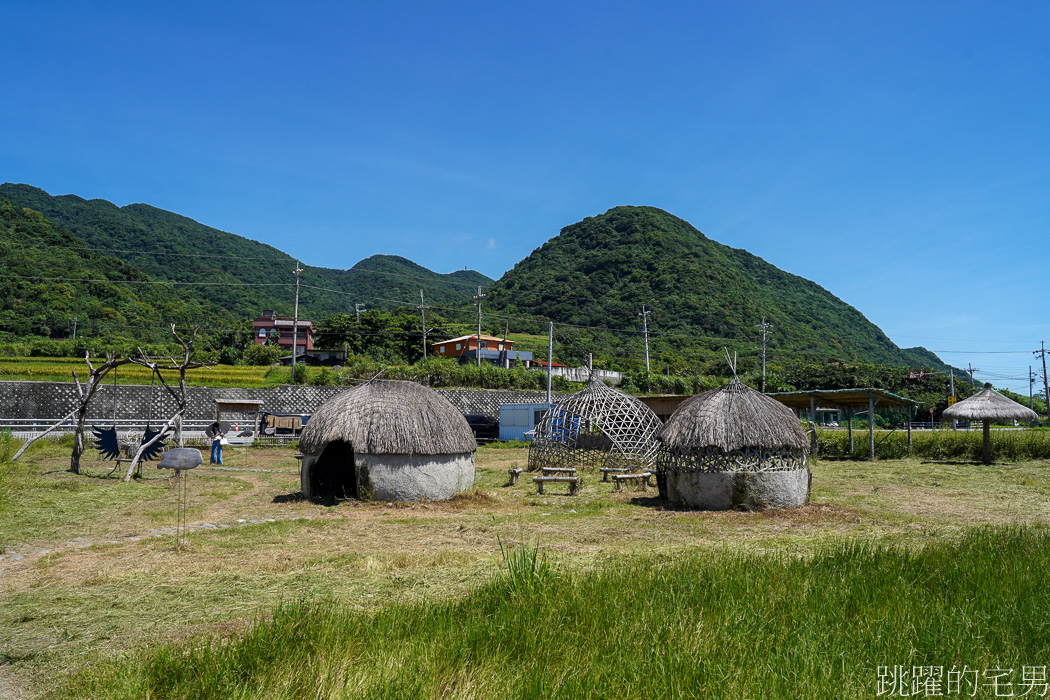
[334, 473]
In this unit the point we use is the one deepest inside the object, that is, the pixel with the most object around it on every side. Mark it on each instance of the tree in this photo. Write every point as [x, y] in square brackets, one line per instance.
[85, 393]
[181, 403]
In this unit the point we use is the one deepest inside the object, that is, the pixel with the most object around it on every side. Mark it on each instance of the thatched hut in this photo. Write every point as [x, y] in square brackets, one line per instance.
[597, 426]
[387, 440]
[733, 447]
[989, 406]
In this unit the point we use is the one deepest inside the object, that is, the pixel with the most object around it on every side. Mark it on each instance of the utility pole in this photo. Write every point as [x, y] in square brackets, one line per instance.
[1046, 389]
[766, 328]
[550, 358]
[75, 319]
[295, 318]
[478, 299]
[423, 314]
[972, 370]
[357, 310]
[951, 389]
[1031, 388]
[645, 330]
[504, 354]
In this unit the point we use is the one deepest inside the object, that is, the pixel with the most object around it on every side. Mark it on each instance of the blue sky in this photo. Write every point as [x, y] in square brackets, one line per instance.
[896, 153]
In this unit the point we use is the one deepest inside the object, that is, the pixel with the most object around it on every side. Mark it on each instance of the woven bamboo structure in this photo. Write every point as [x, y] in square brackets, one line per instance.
[989, 406]
[388, 440]
[596, 427]
[733, 447]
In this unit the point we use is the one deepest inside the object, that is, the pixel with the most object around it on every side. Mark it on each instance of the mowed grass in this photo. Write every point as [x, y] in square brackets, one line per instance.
[65, 612]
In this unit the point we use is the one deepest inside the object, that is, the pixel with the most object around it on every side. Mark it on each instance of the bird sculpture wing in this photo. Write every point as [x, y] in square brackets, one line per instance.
[106, 442]
[154, 450]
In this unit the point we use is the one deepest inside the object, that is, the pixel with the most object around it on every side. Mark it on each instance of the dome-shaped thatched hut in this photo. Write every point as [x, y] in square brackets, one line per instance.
[733, 447]
[987, 406]
[387, 440]
[597, 426]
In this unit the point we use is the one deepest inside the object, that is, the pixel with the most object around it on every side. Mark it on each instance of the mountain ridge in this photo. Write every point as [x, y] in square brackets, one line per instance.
[595, 273]
[223, 257]
[599, 272]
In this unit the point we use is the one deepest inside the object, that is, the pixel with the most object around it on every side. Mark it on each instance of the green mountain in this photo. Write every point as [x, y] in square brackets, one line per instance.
[596, 275]
[600, 271]
[50, 281]
[241, 272]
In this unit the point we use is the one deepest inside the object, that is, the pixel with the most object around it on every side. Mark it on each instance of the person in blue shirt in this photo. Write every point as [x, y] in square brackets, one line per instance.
[214, 431]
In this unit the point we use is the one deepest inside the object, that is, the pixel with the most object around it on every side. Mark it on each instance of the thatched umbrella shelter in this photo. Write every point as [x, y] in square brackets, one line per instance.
[387, 440]
[734, 447]
[989, 405]
[597, 426]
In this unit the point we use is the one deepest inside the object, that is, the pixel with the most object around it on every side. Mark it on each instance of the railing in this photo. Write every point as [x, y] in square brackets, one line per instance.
[34, 425]
[921, 425]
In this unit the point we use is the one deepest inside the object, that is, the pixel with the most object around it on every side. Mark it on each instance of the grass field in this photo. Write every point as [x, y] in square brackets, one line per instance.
[52, 369]
[419, 600]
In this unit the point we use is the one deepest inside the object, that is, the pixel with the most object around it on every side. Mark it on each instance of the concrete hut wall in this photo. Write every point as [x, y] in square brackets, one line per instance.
[404, 477]
[726, 490]
[44, 400]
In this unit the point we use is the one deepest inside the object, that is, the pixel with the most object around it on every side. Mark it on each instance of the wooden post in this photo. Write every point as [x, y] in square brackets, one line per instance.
[813, 409]
[987, 449]
[871, 426]
[908, 410]
[849, 426]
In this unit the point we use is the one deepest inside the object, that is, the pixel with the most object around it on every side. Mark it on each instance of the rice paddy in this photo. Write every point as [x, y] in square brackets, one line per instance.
[504, 592]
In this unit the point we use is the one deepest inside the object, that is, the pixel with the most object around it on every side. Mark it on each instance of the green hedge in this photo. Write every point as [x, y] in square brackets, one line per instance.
[1007, 445]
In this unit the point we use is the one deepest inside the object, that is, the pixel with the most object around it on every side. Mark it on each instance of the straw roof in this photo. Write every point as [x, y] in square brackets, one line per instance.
[989, 404]
[735, 417]
[388, 417]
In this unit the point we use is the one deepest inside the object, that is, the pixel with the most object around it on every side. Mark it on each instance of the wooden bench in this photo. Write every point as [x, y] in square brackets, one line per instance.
[514, 472]
[556, 471]
[572, 481]
[643, 478]
[606, 471]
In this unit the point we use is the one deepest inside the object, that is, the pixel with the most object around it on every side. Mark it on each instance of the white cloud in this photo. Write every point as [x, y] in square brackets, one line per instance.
[491, 244]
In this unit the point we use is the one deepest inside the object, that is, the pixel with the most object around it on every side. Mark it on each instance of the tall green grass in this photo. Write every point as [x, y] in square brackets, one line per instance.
[1007, 445]
[698, 626]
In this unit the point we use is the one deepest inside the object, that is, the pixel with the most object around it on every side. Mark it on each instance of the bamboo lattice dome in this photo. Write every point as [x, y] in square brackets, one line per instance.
[730, 429]
[989, 404]
[597, 425]
[389, 417]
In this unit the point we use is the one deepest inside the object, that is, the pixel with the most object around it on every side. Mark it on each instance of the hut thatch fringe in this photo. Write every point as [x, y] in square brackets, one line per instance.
[389, 417]
[989, 404]
[733, 418]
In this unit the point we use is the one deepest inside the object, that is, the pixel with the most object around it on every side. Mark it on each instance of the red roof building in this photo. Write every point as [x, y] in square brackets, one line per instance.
[279, 328]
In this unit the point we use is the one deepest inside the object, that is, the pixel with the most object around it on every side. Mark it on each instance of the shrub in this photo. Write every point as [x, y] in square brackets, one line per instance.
[261, 355]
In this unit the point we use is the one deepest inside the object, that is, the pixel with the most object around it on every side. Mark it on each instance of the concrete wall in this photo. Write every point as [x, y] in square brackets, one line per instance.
[56, 399]
[740, 489]
[405, 477]
[583, 374]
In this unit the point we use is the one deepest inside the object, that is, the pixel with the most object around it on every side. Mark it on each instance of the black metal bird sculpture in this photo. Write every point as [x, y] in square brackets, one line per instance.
[154, 450]
[106, 442]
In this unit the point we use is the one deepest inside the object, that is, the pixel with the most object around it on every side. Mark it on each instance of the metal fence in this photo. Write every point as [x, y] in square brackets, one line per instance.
[192, 430]
[34, 425]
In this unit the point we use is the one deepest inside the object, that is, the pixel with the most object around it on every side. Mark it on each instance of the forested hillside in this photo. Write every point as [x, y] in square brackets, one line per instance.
[702, 294]
[592, 280]
[50, 282]
[171, 247]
